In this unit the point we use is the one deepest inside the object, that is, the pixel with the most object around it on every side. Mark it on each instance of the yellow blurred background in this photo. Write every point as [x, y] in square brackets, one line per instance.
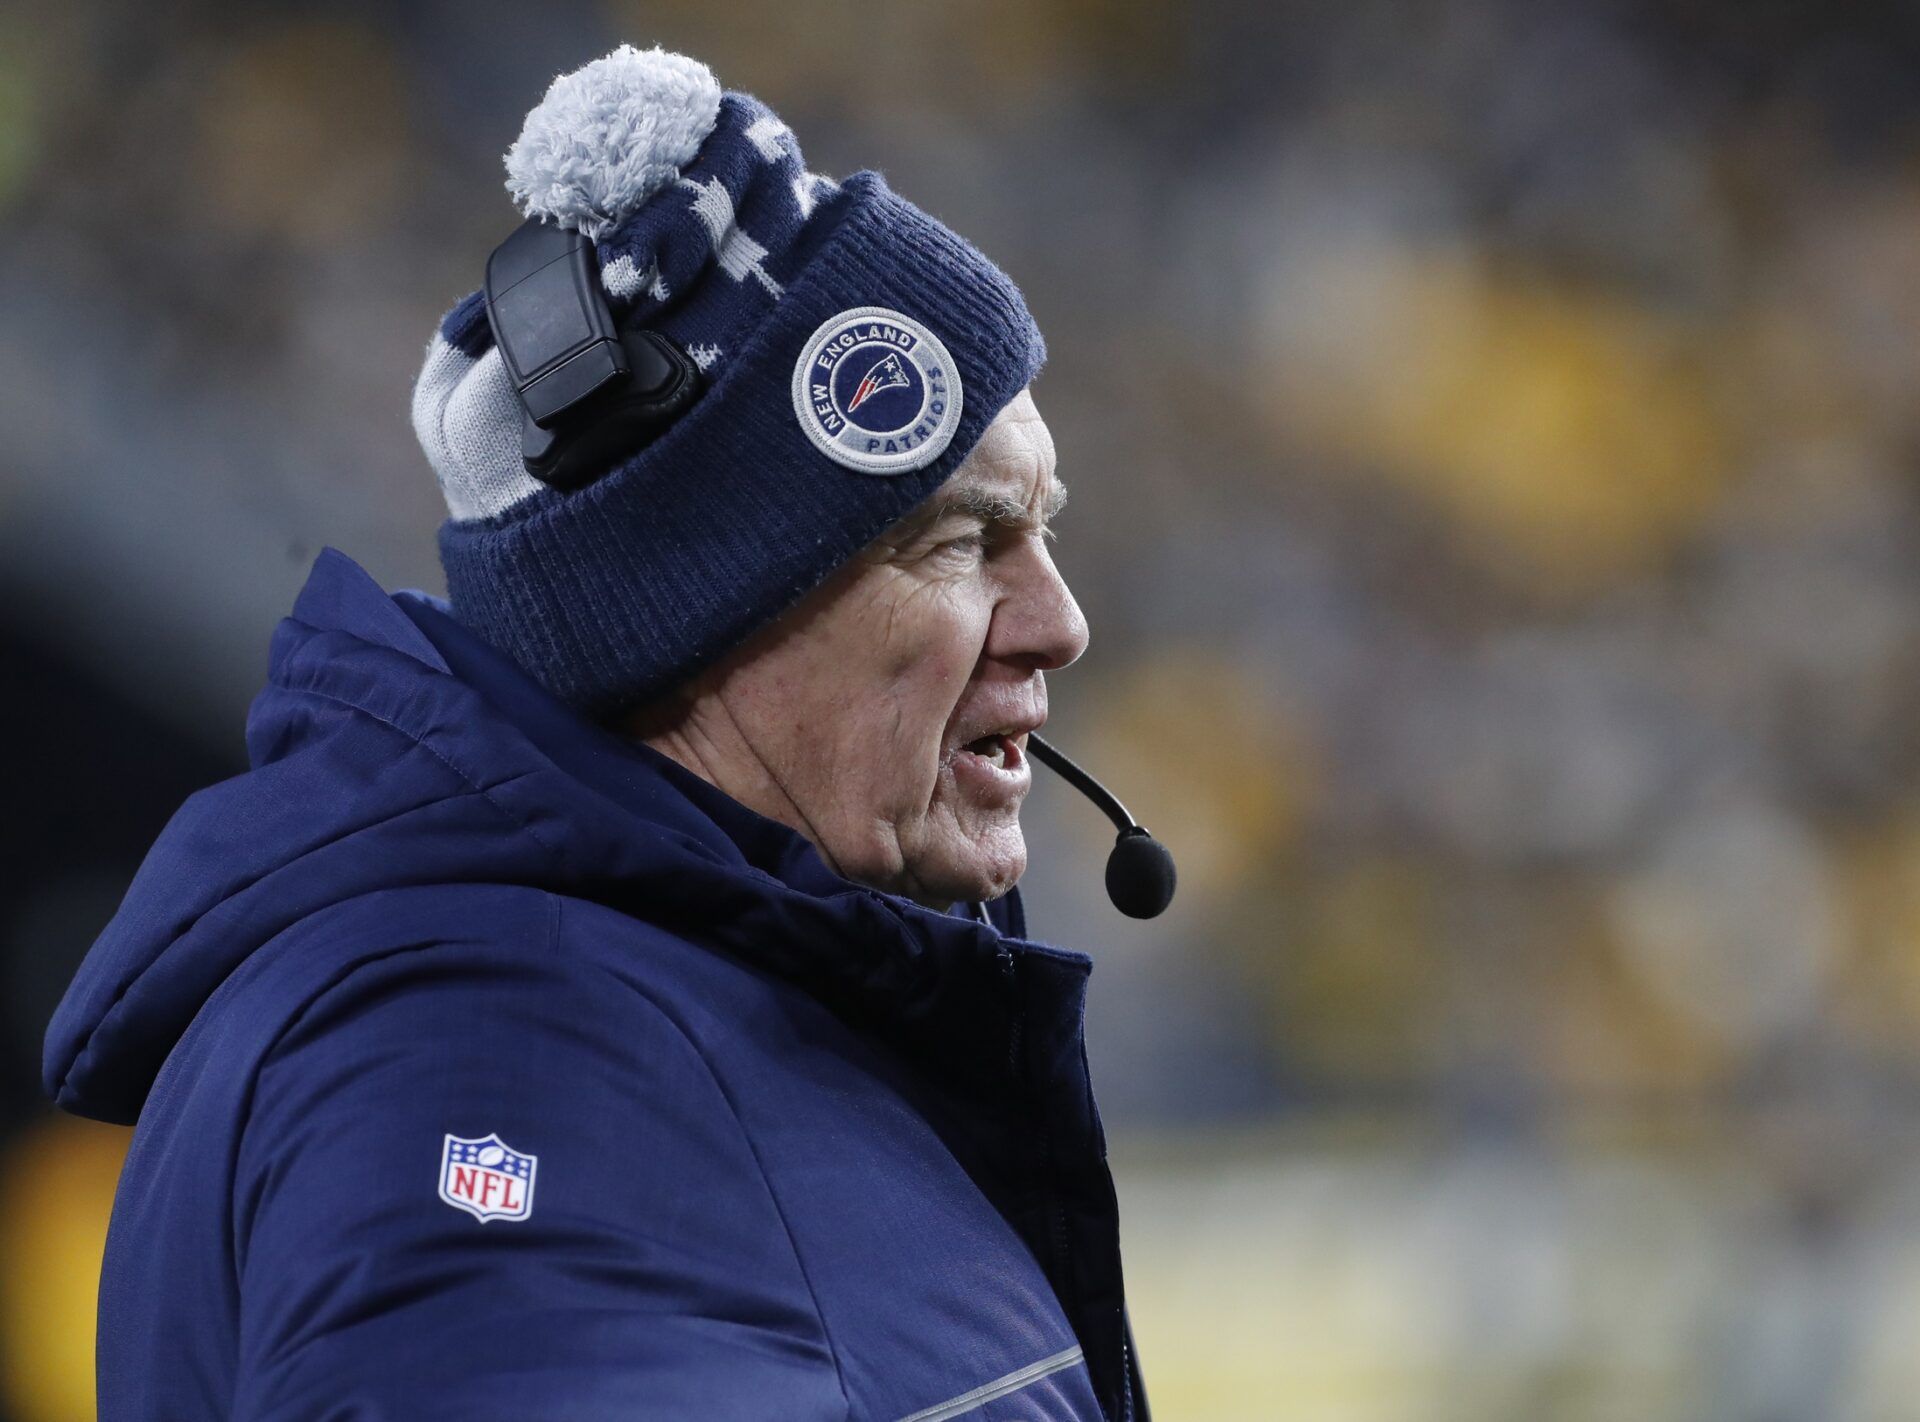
[1493, 440]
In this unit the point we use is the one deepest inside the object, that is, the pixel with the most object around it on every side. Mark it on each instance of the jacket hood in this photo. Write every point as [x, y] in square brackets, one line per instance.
[392, 747]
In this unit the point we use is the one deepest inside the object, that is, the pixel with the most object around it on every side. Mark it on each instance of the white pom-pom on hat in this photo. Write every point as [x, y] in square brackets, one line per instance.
[609, 135]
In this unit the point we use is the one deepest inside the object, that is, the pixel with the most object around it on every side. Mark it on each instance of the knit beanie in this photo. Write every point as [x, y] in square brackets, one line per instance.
[851, 350]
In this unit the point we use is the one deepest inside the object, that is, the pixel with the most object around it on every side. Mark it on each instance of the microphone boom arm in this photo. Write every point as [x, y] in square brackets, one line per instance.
[1140, 875]
[1060, 765]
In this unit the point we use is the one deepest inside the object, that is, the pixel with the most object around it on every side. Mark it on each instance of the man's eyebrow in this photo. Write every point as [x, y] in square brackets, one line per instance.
[994, 508]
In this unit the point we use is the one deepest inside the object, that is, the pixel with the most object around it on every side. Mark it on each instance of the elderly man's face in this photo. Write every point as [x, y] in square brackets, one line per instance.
[886, 716]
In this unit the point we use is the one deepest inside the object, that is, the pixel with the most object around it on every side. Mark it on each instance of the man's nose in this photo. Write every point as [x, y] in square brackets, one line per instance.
[1038, 625]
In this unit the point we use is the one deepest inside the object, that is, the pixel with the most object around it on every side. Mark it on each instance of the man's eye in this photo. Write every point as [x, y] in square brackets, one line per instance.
[966, 545]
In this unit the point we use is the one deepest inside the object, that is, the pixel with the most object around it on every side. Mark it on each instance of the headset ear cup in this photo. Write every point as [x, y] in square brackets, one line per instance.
[590, 392]
[662, 381]
[550, 320]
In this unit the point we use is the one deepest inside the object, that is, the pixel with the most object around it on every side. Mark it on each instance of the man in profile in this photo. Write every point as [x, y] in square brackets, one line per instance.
[606, 994]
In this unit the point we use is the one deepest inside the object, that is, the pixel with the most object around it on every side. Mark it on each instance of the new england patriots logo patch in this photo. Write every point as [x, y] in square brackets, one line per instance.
[876, 391]
[885, 375]
[487, 1178]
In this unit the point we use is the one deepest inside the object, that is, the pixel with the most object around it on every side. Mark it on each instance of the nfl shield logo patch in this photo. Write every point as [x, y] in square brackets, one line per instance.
[487, 1178]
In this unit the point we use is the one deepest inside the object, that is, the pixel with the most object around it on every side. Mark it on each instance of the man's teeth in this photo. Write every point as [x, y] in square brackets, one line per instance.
[992, 749]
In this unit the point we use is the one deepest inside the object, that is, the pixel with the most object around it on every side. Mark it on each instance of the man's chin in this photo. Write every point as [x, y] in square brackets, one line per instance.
[985, 869]
[945, 863]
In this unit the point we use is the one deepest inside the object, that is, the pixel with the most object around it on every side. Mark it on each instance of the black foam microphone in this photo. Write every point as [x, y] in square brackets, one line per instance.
[1140, 876]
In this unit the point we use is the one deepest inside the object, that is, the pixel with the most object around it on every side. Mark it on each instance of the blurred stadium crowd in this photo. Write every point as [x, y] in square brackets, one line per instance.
[1493, 435]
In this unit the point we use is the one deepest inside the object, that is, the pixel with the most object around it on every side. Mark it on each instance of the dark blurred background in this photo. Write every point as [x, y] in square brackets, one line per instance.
[1494, 445]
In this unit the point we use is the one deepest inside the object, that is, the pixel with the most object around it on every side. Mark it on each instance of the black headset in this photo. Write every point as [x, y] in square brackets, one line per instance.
[589, 391]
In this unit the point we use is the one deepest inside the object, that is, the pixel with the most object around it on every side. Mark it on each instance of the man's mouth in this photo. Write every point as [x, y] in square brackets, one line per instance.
[992, 767]
[1002, 752]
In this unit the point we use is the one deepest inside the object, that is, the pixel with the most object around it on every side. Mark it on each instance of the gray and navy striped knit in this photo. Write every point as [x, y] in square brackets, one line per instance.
[615, 592]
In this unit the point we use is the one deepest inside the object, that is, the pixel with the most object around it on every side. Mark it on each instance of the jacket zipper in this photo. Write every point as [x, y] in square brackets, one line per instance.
[1008, 972]
[1056, 1215]
[1056, 1212]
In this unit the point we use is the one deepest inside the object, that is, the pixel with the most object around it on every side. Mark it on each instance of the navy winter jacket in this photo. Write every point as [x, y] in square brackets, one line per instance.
[488, 1066]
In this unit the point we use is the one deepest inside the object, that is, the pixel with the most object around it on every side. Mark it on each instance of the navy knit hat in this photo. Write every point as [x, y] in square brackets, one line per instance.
[852, 351]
